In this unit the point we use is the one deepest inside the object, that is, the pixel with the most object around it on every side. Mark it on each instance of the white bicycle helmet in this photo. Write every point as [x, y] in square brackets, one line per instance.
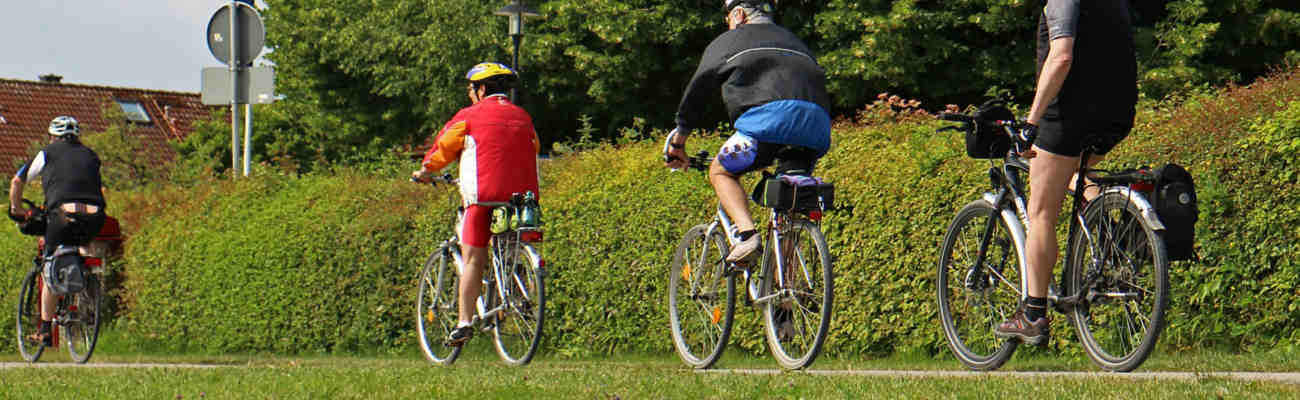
[767, 6]
[64, 125]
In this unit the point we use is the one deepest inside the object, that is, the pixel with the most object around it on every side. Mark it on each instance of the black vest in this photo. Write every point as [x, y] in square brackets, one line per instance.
[1102, 83]
[71, 174]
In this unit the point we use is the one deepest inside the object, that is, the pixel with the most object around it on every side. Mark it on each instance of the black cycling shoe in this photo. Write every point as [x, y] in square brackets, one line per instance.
[43, 335]
[460, 335]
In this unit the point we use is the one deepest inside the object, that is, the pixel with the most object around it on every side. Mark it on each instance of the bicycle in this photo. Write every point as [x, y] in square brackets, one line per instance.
[1115, 277]
[78, 314]
[796, 298]
[512, 300]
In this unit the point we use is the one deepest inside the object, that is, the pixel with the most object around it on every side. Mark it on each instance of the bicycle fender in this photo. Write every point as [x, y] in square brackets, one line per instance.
[1148, 211]
[1017, 236]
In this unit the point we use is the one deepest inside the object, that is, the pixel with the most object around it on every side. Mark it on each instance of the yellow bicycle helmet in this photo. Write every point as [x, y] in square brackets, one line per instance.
[490, 70]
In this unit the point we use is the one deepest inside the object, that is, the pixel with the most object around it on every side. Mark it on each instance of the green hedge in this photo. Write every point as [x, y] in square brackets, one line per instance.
[326, 263]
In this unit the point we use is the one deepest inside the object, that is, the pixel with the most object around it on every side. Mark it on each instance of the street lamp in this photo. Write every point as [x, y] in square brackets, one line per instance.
[517, 11]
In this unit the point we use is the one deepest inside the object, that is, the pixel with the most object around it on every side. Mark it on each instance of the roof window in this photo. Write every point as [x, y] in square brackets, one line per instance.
[134, 111]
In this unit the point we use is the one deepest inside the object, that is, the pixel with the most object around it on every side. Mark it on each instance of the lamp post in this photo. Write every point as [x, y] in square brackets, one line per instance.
[516, 11]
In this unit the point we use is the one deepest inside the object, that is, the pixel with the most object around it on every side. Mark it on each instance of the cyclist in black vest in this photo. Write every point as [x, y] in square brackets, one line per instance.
[74, 199]
[1086, 95]
[775, 92]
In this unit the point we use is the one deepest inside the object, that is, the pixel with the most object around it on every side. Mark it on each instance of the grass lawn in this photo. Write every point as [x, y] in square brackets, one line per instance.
[478, 374]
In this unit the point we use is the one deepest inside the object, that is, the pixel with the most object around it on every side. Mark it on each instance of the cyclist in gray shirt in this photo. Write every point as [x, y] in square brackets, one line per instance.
[1086, 95]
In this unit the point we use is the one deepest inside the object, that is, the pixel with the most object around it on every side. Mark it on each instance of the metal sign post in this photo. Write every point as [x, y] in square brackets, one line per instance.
[234, 81]
[235, 37]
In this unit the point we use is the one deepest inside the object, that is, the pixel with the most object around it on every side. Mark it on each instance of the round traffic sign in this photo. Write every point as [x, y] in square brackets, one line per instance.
[249, 31]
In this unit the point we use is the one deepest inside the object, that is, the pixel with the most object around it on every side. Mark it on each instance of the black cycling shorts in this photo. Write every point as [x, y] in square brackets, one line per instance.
[71, 229]
[1058, 136]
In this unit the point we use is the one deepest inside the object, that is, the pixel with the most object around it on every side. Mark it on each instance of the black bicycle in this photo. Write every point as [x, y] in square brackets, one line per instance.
[1114, 285]
[79, 313]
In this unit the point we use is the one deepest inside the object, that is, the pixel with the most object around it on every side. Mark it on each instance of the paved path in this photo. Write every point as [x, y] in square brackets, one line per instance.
[7, 365]
[1287, 377]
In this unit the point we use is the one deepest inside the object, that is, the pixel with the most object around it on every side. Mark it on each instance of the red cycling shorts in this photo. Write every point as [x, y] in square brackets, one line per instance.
[475, 226]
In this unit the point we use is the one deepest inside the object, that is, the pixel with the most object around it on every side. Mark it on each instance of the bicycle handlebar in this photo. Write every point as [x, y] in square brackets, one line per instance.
[1015, 130]
[699, 162]
[435, 180]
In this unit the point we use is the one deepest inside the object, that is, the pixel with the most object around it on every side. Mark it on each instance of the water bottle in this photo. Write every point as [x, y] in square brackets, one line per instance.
[500, 220]
[528, 217]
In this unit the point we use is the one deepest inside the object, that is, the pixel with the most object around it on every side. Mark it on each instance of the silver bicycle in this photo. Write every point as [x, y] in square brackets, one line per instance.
[513, 300]
[793, 286]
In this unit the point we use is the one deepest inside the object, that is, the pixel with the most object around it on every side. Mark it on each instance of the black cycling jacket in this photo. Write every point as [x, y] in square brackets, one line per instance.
[753, 64]
[69, 172]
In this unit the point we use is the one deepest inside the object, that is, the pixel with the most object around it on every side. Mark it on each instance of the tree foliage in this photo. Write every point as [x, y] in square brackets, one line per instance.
[364, 78]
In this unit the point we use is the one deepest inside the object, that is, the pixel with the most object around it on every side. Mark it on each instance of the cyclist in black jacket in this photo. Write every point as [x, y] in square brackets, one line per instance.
[775, 92]
[74, 198]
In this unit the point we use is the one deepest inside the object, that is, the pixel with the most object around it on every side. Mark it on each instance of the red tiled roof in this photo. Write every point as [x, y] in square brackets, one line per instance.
[26, 108]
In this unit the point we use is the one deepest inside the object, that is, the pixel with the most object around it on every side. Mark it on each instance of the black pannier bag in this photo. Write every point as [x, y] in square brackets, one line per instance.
[988, 140]
[1175, 202]
[64, 271]
[794, 192]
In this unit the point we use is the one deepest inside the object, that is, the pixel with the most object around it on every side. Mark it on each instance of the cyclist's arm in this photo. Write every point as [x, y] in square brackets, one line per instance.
[1062, 21]
[26, 172]
[537, 143]
[1059, 59]
[446, 148]
[700, 92]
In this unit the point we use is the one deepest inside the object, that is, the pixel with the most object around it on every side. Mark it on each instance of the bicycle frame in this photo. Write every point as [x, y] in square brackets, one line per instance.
[1009, 186]
[500, 246]
[723, 221]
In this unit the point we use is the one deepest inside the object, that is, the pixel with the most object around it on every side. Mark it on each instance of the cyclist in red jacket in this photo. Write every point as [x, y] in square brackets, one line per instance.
[497, 147]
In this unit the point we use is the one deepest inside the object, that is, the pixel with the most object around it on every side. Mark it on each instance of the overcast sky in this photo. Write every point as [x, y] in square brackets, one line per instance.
[148, 44]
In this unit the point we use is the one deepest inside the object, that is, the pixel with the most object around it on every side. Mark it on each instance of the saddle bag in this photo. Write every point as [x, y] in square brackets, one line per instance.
[1175, 202]
[794, 192]
[64, 271]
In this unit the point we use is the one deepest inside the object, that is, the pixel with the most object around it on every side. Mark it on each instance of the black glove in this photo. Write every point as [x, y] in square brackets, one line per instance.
[1025, 136]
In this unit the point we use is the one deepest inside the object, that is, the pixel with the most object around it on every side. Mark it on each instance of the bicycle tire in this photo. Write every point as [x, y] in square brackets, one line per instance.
[991, 292]
[1124, 261]
[789, 318]
[699, 315]
[28, 318]
[82, 328]
[517, 332]
[436, 306]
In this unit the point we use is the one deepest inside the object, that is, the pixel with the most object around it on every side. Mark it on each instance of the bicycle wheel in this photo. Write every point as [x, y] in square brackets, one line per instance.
[517, 329]
[82, 319]
[1120, 265]
[436, 302]
[974, 297]
[797, 296]
[29, 316]
[701, 297]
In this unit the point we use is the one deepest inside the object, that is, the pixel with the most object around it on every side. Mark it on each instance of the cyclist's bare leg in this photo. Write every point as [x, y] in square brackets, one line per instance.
[731, 196]
[1089, 191]
[49, 302]
[471, 280]
[1049, 176]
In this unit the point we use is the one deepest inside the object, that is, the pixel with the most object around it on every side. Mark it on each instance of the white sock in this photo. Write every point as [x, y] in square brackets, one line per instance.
[463, 324]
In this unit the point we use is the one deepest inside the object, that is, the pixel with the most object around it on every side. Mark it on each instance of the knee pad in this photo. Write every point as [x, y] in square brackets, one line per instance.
[738, 153]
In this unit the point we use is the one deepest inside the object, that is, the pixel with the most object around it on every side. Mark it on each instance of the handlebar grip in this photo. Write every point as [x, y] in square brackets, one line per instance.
[955, 117]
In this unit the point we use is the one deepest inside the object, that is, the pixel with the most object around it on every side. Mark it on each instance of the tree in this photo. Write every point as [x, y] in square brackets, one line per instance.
[363, 78]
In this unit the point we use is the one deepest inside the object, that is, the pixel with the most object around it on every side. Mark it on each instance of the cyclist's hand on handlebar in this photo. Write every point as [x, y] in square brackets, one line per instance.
[422, 176]
[19, 214]
[675, 151]
[1026, 133]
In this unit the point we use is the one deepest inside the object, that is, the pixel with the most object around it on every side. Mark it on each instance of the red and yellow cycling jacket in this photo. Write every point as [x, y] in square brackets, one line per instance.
[497, 148]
